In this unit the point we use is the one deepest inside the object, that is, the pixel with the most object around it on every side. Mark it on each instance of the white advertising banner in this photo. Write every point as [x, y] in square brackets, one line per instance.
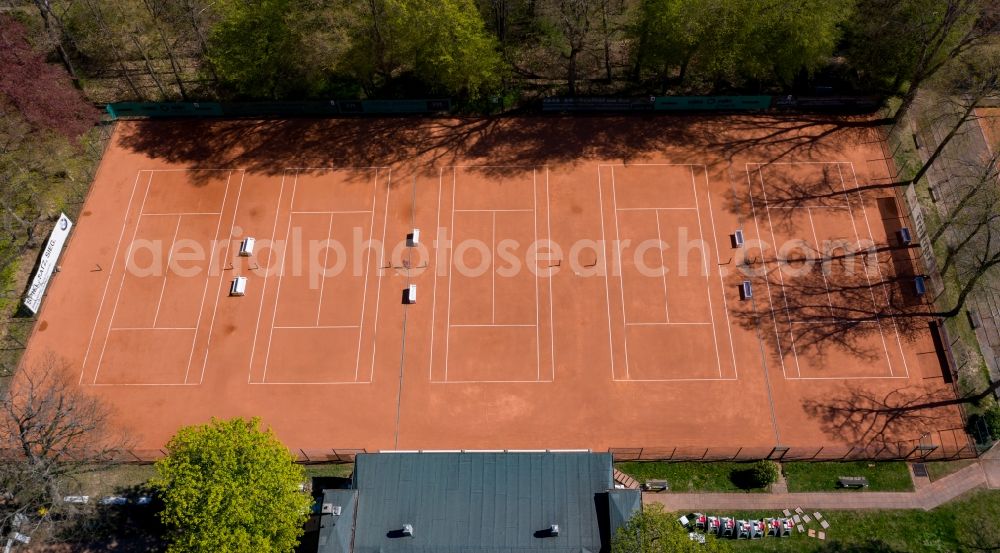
[33, 299]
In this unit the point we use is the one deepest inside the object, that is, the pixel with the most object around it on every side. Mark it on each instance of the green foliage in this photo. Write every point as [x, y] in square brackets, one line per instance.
[737, 39]
[443, 43]
[890, 41]
[253, 47]
[992, 419]
[654, 531]
[227, 486]
[764, 473]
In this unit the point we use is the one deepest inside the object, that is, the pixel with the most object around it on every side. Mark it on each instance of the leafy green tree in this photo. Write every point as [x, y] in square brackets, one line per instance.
[257, 48]
[443, 43]
[228, 486]
[736, 40]
[654, 531]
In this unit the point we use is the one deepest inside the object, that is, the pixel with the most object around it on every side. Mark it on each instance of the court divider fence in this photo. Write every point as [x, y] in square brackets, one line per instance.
[942, 445]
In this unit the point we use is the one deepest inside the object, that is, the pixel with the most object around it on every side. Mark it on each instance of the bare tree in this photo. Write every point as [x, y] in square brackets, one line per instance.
[971, 79]
[50, 432]
[574, 19]
[962, 25]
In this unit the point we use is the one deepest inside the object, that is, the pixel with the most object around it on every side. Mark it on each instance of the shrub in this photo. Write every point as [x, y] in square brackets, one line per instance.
[764, 473]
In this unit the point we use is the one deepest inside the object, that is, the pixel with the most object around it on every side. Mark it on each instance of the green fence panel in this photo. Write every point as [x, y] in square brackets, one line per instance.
[164, 109]
[711, 103]
[277, 109]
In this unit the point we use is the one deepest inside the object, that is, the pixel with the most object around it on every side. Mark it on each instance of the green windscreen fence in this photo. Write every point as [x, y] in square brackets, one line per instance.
[711, 103]
[655, 103]
[276, 109]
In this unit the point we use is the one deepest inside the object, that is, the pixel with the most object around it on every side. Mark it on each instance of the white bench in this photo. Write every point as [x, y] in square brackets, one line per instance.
[413, 239]
[738, 239]
[746, 290]
[411, 294]
[246, 247]
[239, 286]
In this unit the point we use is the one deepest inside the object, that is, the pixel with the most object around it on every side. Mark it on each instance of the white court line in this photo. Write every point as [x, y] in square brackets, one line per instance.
[718, 259]
[832, 321]
[664, 380]
[180, 214]
[170, 256]
[272, 383]
[121, 284]
[326, 258]
[491, 325]
[781, 276]
[704, 263]
[204, 292]
[494, 210]
[151, 385]
[263, 293]
[667, 324]
[663, 268]
[538, 306]
[607, 287]
[430, 362]
[451, 265]
[368, 263]
[292, 327]
[191, 170]
[492, 382]
[552, 326]
[826, 283]
[621, 276]
[334, 212]
[100, 306]
[493, 270]
[871, 237]
[378, 287]
[656, 208]
[767, 283]
[337, 169]
[281, 277]
[153, 328]
[810, 207]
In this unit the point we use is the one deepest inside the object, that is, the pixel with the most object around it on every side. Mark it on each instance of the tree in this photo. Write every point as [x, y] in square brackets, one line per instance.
[654, 531]
[43, 93]
[228, 486]
[971, 79]
[252, 47]
[736, 40]
[50, 432]
[903, 43]
[442, 43]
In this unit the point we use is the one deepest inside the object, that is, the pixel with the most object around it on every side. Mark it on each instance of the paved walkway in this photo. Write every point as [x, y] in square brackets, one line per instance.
[926, 495]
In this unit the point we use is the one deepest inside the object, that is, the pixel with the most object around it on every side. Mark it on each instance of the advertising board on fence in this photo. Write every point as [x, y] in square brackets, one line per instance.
[33, 299]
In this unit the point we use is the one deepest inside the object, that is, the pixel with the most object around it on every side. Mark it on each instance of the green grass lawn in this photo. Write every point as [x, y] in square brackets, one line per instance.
[951, 527]
[891, 476]
[688, 476]
[939, 469]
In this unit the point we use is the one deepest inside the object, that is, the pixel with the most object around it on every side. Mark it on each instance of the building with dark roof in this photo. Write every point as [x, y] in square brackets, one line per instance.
[476, 502]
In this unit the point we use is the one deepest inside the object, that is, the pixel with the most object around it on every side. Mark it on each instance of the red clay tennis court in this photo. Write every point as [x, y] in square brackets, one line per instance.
[579, 284]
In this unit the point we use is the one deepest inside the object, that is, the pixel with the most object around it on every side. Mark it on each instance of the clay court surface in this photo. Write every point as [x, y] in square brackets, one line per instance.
[538, 323]
[989, 122]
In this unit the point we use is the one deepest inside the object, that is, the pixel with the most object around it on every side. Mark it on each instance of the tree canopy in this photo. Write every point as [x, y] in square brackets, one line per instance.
[654, 531]
[228, 486]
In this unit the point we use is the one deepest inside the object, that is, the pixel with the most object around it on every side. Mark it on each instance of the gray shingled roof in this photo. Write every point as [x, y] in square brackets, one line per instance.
[480, 502]
[336, 532]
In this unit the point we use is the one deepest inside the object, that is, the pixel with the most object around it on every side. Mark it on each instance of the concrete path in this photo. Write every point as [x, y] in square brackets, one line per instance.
[926, 496]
